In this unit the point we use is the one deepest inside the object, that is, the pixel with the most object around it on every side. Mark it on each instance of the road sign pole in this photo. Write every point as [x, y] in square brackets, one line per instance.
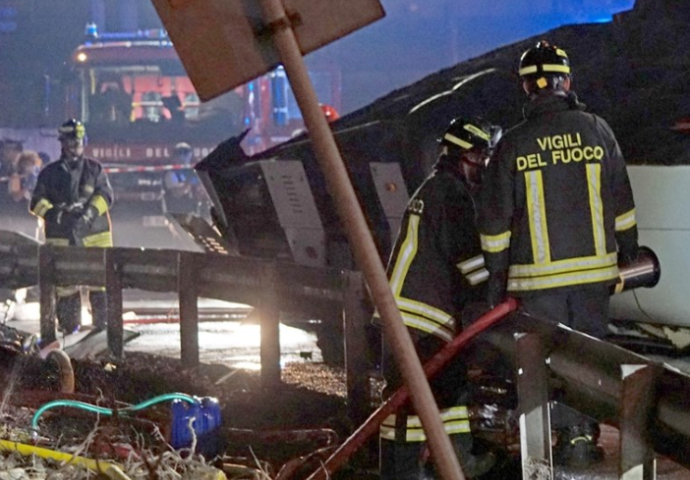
[360, 238]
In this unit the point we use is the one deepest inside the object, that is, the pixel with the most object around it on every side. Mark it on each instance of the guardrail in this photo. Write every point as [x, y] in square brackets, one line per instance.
[271, 287]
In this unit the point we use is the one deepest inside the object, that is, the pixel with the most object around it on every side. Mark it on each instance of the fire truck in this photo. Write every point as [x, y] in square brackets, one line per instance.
[133, 94]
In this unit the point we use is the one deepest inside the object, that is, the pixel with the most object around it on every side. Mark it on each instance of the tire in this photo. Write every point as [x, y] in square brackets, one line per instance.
[59, 363]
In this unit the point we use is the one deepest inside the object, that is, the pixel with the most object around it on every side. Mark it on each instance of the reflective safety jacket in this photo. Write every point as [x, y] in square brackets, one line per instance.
[556, 200]
[437, 263]
[62, 185]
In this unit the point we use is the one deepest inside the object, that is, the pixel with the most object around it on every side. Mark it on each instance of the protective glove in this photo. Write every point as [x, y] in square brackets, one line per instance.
[496, 288]
[83, 221]
[54, 216]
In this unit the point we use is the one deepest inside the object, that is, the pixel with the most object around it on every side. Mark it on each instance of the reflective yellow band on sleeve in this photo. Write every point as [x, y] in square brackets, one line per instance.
[626, 221]
[42, 207]
[495, 243]
[100, 203]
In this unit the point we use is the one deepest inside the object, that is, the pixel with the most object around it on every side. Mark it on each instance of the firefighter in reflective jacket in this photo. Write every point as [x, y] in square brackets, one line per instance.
[556, 214]
[73, 197]
[436, 269]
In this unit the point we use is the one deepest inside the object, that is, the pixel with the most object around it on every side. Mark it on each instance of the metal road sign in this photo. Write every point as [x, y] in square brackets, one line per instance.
[225, 43]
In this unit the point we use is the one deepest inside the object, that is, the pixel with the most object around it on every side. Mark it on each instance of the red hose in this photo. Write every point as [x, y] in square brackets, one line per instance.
[431, 368]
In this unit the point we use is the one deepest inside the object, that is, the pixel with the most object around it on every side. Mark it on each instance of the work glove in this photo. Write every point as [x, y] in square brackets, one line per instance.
[54, 216]
[84, 220]
[496, 288]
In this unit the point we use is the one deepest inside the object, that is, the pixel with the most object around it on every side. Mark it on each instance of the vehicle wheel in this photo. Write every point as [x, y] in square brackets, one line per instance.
[59, 364]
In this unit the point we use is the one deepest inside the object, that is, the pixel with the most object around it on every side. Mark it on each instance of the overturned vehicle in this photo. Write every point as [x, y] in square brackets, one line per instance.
[275, 204]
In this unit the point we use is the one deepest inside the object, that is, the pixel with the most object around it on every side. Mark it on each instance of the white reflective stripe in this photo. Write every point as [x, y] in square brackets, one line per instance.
[458, 141]
[444, 332]
[626, 221]
[478, 277]
[471, 264]
[423, 309]
[596, 207]
[564, 266]
[406, 254]
[495, 243]
[563, 280]
[541, 250]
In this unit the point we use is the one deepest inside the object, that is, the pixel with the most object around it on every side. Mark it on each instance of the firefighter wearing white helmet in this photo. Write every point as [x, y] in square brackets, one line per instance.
[436, 270]
[556, 214]
[73, 197]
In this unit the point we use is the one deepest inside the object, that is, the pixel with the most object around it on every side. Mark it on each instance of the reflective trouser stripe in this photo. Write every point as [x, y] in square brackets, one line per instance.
[455, 420]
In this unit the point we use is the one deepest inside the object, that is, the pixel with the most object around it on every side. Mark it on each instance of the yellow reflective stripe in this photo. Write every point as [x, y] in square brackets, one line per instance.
[536, 209]
[626, 221]
[100, 203]
[406, 254]
[424, 309]
[563, 266]
[596, 207]
[59, 242]
[103, 239]
[455, 420]
[561, 53]
[475, 278]
[477, 131]
[563, 280]
[545, 68]
[458, 141]
[444, 332]
[555, 68]
[471, 264]
[42, 207]
[495, 243]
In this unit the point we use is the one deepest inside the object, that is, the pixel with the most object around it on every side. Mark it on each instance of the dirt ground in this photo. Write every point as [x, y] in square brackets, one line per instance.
[270, 427]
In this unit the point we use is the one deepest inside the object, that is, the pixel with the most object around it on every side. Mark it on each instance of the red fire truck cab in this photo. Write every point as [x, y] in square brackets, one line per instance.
[137, 102]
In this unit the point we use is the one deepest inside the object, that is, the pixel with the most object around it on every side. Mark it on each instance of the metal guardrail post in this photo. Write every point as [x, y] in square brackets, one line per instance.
[113, 290]
[187, 281]
[637, 403]
[535, 420]
[270, 327]
[357, 366]
[46, 284]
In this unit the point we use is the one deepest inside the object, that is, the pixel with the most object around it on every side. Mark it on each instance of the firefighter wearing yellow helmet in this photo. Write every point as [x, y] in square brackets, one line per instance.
[556, 214]
[73, 197]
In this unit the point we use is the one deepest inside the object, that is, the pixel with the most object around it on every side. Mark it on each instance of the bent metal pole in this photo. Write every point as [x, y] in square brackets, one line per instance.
[434, 365]
[360, 238]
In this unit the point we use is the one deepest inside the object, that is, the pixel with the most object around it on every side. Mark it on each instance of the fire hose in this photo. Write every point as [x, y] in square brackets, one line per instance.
[431, 368]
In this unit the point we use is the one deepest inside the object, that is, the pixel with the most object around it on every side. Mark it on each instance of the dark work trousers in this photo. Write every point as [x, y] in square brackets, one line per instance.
[584, 309]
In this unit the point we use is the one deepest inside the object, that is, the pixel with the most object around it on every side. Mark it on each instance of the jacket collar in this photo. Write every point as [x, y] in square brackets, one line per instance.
[553, 103]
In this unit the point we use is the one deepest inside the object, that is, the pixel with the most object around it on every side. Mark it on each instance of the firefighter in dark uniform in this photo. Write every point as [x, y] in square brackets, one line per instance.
[556, 214]
[436, 269]
[73, 197]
